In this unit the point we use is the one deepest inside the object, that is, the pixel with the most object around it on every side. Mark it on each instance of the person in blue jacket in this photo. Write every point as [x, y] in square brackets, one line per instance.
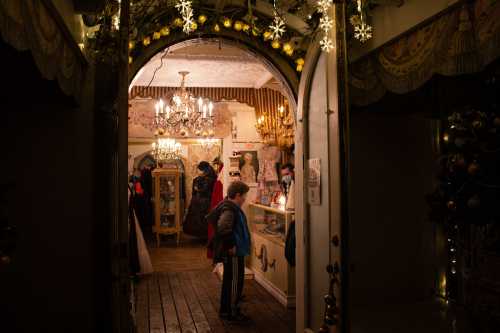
[230, 245]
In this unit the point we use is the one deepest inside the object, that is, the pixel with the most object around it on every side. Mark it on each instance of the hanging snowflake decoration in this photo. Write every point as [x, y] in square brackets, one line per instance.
[186, 10]
[183, 6]
[188, 22]
[324, 5]
[325, 23]
[363, 32]
[277, 28]
[326, 44]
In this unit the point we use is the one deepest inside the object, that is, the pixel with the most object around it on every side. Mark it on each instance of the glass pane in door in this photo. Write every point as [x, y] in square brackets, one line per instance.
[167, 201]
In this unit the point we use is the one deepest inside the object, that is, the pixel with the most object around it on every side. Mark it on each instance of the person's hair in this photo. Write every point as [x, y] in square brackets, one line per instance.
[237, 187]
[207, 169]
[288, 166]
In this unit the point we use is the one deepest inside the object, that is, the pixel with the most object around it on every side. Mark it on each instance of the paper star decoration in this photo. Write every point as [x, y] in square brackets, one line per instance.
[326, 44]
[277, 28]
[363, 32]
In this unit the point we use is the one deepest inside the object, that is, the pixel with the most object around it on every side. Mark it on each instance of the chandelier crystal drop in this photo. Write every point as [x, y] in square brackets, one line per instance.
[166, 149]
[184, 114]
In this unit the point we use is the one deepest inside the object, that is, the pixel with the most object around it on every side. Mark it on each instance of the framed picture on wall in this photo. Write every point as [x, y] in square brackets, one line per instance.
[249, 167]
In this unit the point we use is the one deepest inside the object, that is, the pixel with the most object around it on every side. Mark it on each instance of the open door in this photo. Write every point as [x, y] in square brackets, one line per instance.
[321, 147]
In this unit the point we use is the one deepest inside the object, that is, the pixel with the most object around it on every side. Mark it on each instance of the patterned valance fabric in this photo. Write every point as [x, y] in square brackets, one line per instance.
[33, 25]
[263, 100]
[461, 41]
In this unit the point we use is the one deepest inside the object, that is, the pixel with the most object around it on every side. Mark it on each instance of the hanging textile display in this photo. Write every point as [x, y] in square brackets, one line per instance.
[461, 41]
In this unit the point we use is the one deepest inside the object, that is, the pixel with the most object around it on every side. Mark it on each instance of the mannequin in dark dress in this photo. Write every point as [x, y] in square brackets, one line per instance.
[195, 223]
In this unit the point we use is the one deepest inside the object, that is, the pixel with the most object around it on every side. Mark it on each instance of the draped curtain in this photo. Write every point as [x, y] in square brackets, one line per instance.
[461, 41]
[36, 26]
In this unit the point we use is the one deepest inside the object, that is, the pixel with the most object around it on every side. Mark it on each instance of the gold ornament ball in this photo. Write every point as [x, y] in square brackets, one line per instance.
[5, 260]
[496, 121]
[287, 47]
[267, 35]
[178, 22]
[129, 60]
[146, 41]
[300, 61]
[299, 68]
[473, 168]
[131, 45]
[202, 19]
[165, 31]
[156, 35]
[477, 124]
[216, 28]
[228, 23]
[246, 27]
[276, 44]
[238, 25]
[194, 26]
[289, 52]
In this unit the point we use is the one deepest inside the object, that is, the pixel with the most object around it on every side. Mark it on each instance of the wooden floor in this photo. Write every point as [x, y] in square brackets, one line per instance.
[183, 296]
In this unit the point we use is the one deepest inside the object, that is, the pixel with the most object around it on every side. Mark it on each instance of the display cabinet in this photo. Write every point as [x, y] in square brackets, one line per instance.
[269, 227]
[167, 203]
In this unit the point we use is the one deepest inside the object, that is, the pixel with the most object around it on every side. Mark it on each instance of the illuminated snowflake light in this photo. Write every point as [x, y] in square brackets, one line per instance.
[277, 28]
[186, 10]
[324, 5]
[183, 6]
[325, 23]
[326, 44]
[363, 32]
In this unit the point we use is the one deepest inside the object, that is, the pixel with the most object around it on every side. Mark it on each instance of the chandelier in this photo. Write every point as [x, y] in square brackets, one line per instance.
[166, 149]
[185, 115]
[208, 143]
[277, 127]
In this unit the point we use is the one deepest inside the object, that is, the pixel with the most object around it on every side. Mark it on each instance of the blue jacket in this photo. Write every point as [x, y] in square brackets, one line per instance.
[231, 229]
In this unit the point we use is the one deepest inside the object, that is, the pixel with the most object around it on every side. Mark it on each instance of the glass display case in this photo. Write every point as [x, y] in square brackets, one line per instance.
[269, 227]
[167, 203]
[268, 222]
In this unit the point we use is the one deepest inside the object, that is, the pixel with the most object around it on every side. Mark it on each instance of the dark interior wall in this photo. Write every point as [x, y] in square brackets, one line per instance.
[391, 240]
[46, 144]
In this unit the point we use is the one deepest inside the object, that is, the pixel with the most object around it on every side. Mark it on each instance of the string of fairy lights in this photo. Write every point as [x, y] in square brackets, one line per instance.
[362, 30]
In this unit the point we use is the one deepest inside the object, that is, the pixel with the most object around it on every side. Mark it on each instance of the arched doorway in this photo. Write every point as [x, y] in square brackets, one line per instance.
[318, 72]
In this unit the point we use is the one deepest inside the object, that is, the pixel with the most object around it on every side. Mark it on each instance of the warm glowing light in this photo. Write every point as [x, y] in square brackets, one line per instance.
[238, 25]
[202, 19]
[165, 31]
[227, 23]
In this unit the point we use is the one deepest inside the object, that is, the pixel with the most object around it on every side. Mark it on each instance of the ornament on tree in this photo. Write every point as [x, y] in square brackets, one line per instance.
[474, 202]
[473, 168]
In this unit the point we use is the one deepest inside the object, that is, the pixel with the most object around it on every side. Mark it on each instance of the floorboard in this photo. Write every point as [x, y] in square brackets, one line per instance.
[183, 296]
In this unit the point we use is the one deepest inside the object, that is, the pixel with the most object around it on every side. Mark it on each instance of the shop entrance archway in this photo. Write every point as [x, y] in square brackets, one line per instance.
[283, 73]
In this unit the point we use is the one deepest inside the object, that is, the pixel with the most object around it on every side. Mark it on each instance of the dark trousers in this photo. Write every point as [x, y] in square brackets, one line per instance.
[232, 285]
